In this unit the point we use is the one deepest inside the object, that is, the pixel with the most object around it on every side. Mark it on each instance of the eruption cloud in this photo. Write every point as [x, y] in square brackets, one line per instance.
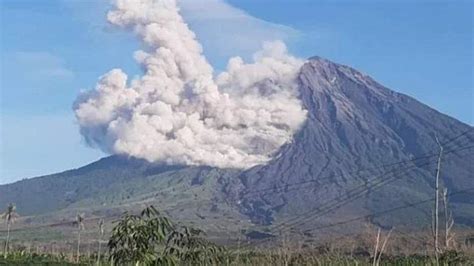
[178, 112]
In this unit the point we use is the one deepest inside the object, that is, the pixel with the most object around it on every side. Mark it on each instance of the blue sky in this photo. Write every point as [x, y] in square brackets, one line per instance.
[50, 50]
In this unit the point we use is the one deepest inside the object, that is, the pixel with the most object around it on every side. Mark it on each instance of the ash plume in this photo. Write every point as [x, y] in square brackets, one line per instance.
[178, 112]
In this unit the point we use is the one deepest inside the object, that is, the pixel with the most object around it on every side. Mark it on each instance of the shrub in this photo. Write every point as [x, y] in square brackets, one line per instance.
[150, 238]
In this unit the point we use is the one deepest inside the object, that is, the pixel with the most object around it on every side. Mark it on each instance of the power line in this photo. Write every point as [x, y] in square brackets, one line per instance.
[350, 195]
[285, 187]
[297, 220]
[64, 223]
[378, 182]
[289, 224]
[409, 205]
[456, 137]
[338, 202]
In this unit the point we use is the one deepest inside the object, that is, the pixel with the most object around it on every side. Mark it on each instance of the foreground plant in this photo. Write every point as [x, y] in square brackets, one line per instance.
[150, 238]
[10, 215]
[80, 226]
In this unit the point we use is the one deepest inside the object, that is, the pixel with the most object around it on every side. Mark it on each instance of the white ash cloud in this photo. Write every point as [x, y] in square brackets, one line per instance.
[177, 112]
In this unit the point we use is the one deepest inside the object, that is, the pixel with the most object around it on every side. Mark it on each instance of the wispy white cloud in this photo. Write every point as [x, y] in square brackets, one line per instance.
[41, 65]
[226, 31]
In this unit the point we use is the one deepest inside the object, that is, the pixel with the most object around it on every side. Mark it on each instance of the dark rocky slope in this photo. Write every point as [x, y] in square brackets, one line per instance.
[357, 124]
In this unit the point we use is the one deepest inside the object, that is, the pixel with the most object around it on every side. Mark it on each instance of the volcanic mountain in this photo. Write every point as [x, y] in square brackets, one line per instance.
[364, 149]
[364, 152]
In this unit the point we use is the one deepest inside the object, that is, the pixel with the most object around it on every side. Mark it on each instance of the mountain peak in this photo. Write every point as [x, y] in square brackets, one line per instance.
[331, 71]
[353, 123]
[318, 58]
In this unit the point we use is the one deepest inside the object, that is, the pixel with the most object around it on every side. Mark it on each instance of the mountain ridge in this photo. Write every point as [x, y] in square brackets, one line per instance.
[345, 109]
[354, 124]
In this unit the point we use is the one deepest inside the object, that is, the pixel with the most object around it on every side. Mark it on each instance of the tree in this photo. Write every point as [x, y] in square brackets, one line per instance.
[186, 245]
[10, 216]
[448, 222]
[134, 239]
[101, 234]
[151, 239]
[380, 249]
[80, 227]
[436, 204]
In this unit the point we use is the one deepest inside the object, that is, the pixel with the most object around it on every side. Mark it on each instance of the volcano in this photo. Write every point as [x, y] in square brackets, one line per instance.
[363, 149]
[365, 152]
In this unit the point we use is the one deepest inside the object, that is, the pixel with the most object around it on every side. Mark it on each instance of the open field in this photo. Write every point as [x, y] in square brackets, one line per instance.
[238, 257]
[58, 245]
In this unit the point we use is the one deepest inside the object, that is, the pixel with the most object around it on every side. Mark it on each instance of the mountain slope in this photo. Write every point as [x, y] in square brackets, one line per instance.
[355, 123]
[363, 149]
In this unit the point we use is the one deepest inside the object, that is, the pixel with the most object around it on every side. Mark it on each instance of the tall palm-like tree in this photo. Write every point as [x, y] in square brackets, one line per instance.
[10, 216]
[80, 227]
[101, 233]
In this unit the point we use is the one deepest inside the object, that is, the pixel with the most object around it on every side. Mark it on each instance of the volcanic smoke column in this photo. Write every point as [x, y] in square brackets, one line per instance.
[177, 112]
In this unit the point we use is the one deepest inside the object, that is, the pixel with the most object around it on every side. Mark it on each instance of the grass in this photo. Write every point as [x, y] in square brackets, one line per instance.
[235, 257]
[349, 250]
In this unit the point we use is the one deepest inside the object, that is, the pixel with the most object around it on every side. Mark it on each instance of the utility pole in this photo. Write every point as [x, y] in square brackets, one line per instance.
[436, 218]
